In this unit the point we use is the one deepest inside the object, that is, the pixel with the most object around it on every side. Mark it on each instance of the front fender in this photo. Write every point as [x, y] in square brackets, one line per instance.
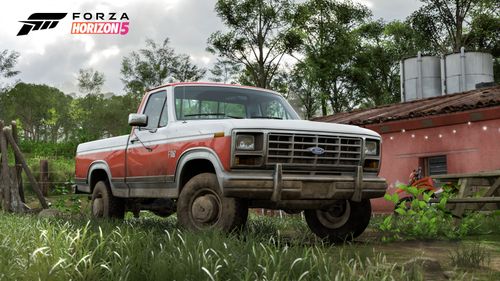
[196, 154]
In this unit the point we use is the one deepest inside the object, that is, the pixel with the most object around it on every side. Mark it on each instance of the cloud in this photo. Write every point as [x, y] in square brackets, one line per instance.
[54, 56]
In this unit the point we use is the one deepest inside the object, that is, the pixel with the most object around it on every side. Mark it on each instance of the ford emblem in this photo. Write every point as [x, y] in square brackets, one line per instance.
[316, 150]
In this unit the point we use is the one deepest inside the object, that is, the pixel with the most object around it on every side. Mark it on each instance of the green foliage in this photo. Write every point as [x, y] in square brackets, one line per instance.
[448, 24]
[90, 81]
[470, 256]
[8, 60]
[155, 65]
[153, 249]
[259, 35]
[416, 218]
[48, 149]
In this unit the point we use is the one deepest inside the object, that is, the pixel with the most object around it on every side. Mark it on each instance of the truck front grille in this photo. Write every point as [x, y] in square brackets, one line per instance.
[293, 151]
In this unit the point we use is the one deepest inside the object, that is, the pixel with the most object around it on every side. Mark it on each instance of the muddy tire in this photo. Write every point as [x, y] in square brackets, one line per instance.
[104, 204]
[201, 206]
[340, 223]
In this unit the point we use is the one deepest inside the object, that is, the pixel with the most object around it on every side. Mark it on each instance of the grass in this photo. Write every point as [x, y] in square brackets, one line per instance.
[470, 256]
[154, 249]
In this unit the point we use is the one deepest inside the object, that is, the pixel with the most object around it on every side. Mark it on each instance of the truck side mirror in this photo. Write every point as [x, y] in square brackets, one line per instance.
[139, 120]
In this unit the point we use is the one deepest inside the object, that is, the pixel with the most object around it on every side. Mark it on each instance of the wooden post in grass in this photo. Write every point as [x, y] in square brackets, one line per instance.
[44, 177]
[4, 170]
[19, 168]
[8, 134]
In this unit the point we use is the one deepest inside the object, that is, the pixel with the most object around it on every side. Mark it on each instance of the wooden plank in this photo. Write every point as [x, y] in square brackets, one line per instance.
[4, 176]
[463, 184]
[469, 200]
[495, 173]
[16, 204]
[17, 151]
[19, 167]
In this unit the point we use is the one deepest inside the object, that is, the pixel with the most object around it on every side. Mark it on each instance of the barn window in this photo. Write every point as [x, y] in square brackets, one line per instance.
[435, 165]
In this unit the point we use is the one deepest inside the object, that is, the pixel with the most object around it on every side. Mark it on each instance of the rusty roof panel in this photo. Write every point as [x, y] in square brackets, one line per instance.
[479, 98]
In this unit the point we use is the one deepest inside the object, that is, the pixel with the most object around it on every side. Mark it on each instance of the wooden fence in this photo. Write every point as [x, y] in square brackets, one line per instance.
[11, 187]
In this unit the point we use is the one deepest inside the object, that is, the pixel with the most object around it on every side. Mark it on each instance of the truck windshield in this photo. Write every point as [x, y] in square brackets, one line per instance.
[216, 102]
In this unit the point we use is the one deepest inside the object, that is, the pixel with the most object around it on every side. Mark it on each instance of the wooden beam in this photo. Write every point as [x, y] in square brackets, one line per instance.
[468, 175]
[4, 176]
[8, 133]
[19, 168]
[469, 200]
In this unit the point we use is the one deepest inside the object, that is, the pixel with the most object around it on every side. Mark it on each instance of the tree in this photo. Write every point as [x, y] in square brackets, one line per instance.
[41, 110]
[330, 42]
[445, 22]
[187, 71]
[8, 61]
[155, 65]
[90, 82]
[149, 67]
[259, 35]
[225, 71]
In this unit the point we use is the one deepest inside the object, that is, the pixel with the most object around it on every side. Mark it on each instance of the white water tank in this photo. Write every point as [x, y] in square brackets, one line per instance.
[466, 69]
[420, 77]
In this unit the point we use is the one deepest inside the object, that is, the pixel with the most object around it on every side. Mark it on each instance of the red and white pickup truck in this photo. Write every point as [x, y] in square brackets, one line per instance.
[211, 151]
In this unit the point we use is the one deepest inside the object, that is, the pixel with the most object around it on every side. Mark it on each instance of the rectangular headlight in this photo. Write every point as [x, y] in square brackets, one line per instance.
[371, 148]
[245, 142]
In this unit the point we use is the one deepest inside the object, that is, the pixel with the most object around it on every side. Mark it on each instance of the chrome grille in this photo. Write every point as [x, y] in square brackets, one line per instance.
[293, 151]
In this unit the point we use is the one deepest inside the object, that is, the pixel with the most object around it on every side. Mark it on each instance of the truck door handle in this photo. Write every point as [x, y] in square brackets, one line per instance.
[134, 140]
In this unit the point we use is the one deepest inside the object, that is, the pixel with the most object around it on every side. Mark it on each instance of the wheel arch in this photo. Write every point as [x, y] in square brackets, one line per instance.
[191, 163]
[99, 170]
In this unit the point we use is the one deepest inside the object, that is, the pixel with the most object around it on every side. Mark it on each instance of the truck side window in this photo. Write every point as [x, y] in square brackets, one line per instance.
[154, 108]
[164, 116]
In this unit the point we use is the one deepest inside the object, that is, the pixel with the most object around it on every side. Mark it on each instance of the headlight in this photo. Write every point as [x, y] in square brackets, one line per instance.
[245, 142]
[371, 148]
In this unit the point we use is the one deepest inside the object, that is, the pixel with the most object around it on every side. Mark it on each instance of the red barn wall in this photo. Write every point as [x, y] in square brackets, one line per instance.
[468, 147]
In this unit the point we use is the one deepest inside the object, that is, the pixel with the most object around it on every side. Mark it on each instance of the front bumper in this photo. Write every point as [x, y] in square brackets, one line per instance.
[276, 187]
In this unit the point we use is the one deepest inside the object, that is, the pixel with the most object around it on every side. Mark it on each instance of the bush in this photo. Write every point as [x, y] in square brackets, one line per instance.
[49, 149]
[417, 218]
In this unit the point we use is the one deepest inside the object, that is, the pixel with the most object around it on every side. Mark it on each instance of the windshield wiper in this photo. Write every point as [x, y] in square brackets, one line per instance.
[267, 117]
[212, 113]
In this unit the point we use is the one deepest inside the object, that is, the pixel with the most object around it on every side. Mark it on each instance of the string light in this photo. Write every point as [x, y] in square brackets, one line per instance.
[454, 131]
[413, 135]
[403, 130]
[485, 128]
[426, 137]
[469, 123]
[440, 136]
[393, 137]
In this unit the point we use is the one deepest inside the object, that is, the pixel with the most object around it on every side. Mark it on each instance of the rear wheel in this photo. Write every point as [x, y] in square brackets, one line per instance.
[340, 222]
[201, 205]
[104, 204]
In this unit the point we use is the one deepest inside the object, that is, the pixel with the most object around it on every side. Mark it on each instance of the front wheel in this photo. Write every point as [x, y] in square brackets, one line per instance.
[104, 204]
[341, 222]
[201, 206]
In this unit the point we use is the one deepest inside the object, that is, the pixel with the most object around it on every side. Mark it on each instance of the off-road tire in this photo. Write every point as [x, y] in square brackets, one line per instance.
[356, 222]
[104, 204]
[231, 213]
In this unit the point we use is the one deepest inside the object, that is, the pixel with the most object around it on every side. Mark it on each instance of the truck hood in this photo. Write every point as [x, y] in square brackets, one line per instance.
[301, 125]
[206, 127]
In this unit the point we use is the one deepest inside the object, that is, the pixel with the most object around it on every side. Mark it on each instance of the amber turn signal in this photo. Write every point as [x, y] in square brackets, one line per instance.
[371, 164]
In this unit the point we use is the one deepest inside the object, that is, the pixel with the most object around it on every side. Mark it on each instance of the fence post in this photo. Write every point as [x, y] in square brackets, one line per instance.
[44, 177]
[19, 168]
[4, 176]
[8, 134]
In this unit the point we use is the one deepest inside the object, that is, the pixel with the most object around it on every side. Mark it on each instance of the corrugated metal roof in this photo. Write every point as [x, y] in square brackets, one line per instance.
[479, 98]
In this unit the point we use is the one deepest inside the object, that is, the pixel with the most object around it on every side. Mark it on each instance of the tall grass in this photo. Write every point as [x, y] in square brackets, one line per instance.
[154, 249]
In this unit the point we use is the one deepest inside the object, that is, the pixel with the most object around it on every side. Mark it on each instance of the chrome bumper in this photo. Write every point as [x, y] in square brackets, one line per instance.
[275, 186]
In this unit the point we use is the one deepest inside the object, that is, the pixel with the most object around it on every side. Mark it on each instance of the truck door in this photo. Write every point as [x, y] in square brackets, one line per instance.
[146, 155]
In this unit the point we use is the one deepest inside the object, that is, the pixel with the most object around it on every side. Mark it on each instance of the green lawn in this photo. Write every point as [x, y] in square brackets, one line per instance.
[151, 248]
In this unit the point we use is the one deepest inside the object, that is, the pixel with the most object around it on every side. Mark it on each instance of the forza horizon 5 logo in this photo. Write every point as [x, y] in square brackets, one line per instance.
[83, 23]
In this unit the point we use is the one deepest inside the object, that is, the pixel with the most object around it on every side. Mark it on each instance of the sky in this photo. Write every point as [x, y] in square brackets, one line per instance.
[54, 56]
